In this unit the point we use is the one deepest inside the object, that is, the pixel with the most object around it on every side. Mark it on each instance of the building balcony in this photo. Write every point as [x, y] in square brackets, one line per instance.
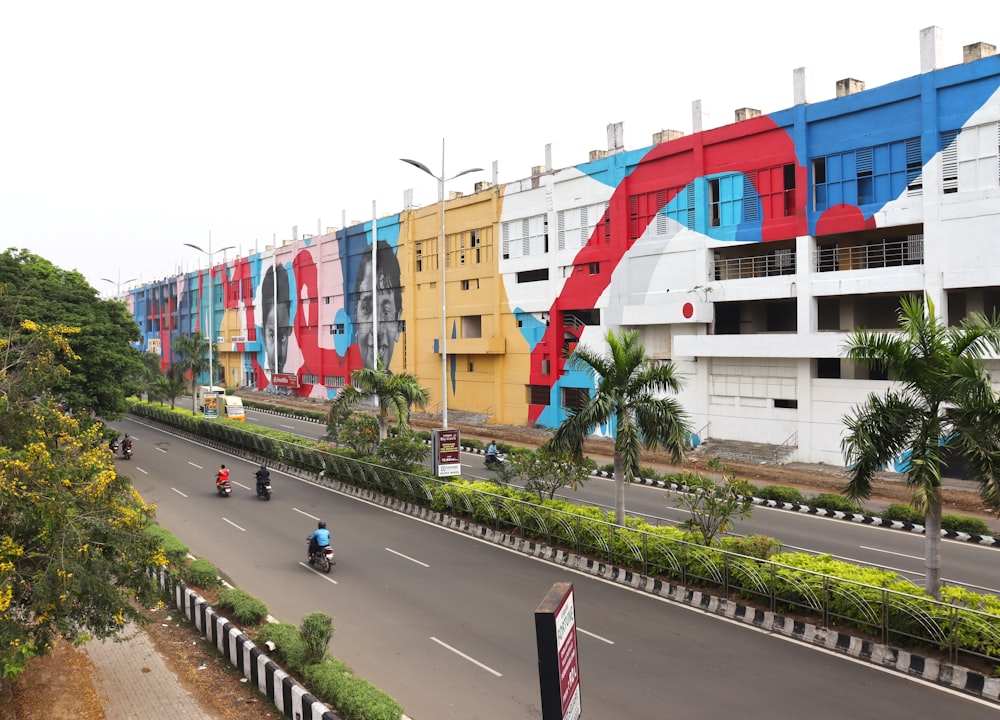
[496, 345]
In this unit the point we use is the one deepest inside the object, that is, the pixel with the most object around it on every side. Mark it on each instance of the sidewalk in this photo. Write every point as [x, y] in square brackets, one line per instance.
[135, 683]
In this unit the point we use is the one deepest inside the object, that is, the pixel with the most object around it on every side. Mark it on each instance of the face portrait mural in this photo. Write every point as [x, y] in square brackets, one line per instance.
[386, 306]
[276, 324]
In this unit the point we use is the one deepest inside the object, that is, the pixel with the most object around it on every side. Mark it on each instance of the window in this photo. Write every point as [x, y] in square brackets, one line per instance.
[657, 207]
[595, 268]
[969, 158]
[335, 381]
[782, 403]
[725, 200]
[475, 245]
[309, 379]
[577, 225]
[527, 276]
[527, 236]
[538, 394]
[471, 367]
[769, 193]
[472, 284]
[418, 254]
[868, 175]
[337, 329]
[546, 366]
[472, 326]
[575, 398]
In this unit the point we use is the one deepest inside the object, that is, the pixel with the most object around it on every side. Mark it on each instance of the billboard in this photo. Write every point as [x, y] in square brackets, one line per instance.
[558, 669]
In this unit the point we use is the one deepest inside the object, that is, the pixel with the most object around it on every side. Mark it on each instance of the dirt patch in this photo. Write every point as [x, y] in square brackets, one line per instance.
[65, 685]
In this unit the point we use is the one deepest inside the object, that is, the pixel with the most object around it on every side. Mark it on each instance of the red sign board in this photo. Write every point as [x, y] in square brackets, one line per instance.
[558, 669]
[447, 453]
[285, 380]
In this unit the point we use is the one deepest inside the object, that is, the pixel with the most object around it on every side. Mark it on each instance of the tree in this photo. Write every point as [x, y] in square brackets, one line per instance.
[71, 529]
[192, 357]
[714, 505]
[403, 452]
[628, 400]
[174, 383]
[941, 400]
[36, 290]
[544, 471]
[395, 394]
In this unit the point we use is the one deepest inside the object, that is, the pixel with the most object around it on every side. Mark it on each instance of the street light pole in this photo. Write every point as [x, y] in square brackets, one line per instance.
[118, 284]
[211, 307]
[441, 259]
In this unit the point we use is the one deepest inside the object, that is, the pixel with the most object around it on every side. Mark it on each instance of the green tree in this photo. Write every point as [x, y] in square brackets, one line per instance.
[941, 400]
[71, 529]
[630, 401]
[403, 452]
[192, 358]
[394, 393]
[714, 505]
[544, 471]
[174, 383]
[34, 289]
[335, 417]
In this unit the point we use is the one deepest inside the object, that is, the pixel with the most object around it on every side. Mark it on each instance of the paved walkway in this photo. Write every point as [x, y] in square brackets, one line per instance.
[135, 682]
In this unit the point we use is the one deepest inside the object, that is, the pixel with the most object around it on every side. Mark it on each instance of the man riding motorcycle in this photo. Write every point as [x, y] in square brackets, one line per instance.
[263, 478]
[319, 540]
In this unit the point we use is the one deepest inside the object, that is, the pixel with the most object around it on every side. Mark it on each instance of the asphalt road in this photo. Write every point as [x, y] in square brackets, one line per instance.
[975, 566]
[445, 623]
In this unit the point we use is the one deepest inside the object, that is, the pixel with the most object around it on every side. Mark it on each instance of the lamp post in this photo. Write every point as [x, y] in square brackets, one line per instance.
[118, 284]
[211, 307]
[441, 258]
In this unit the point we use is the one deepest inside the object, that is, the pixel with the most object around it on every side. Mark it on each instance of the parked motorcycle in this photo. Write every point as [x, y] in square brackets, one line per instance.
[321, 558]
[224, 488]
[264, 489]
[495, 461]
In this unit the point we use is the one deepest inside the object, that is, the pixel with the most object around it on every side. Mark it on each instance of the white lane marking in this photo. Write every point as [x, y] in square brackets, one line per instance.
[178, 492]
[290, 427]
[195, 465]
[162, 450]
[234, 525]
[595, 636]
[303, 512]
[407, 557]
[890, 552]
[312, 569]
[466, 657]
[245, 487]
[141, 470]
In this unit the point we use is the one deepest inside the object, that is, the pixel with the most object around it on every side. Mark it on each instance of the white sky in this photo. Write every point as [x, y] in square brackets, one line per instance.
[130, 128]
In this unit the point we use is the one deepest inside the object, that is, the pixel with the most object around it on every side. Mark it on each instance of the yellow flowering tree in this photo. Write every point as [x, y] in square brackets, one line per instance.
[73, 550]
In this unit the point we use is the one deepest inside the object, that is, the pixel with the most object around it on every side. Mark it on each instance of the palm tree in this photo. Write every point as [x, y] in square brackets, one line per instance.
[192, 352]
[629, 397]
[395, 394]
[941, 400]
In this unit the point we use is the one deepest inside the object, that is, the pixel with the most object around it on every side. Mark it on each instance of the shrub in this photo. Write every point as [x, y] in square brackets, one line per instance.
[963, 523]
[352, 697]
[316, 631]
[649, 473]
[247, 609]
[175, 551]
[474, 443]
[201, 573]
[607, 467]
[833, 502]
[779, 493]
[288, 642]
[757, 546]
[899, 512]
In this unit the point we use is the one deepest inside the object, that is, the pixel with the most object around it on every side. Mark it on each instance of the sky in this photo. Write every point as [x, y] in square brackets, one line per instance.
[128, 129]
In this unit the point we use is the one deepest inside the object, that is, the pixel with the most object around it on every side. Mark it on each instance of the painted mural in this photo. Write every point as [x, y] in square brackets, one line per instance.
[630, 239]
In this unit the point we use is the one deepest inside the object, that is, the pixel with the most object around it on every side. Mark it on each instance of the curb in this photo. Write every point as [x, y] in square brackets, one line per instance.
[291, 699]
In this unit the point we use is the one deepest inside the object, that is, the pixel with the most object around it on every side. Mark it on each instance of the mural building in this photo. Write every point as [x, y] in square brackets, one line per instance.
[744, 253]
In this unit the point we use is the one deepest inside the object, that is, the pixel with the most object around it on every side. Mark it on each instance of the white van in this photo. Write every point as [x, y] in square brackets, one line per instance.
[229, 406]
[202, 390]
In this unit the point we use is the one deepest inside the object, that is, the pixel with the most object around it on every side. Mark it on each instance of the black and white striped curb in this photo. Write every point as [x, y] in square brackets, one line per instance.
[873, 520]
[291, 699]
[902, 661]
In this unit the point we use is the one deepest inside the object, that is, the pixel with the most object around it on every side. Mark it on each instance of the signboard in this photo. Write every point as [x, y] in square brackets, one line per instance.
[447, 453]
[153, 346]
[290, 380]
[558, 670]
[211, 403]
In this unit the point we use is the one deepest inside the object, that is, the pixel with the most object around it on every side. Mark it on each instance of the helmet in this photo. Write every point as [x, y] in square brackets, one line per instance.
[322, 525]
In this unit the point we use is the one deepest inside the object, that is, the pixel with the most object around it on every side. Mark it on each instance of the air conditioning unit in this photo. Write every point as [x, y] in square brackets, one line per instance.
[220, 339]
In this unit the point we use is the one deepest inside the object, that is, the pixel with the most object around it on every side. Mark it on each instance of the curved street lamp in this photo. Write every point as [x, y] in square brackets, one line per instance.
[441, 258]
[211, 307]
[118, 284]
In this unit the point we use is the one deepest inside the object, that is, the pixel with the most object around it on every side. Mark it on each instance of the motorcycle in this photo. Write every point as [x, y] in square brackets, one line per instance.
[224, 488]
[127, 452]
[321, 557]
[497, 460]
[264, 489]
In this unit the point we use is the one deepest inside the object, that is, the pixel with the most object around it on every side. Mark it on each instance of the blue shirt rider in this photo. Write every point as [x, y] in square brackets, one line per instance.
[319, 539]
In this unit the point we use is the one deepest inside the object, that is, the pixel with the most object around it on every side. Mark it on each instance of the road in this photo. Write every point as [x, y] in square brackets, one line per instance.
[974, 566]
[444, 623]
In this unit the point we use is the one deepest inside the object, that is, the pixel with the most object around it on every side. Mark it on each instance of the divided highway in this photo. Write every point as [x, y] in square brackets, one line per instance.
[445, 624]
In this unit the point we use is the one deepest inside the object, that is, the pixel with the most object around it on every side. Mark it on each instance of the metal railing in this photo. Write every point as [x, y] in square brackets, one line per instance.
[755, 266]
[881, 254]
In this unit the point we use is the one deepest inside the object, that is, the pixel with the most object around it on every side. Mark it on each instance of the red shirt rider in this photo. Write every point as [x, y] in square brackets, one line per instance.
[222, 475]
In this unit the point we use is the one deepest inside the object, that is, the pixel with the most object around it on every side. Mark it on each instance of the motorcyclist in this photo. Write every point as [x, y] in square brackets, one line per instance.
[114, 445]
[319, 539]
[263, 477]
[221, 476]
[126, 445]
[491, 452]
